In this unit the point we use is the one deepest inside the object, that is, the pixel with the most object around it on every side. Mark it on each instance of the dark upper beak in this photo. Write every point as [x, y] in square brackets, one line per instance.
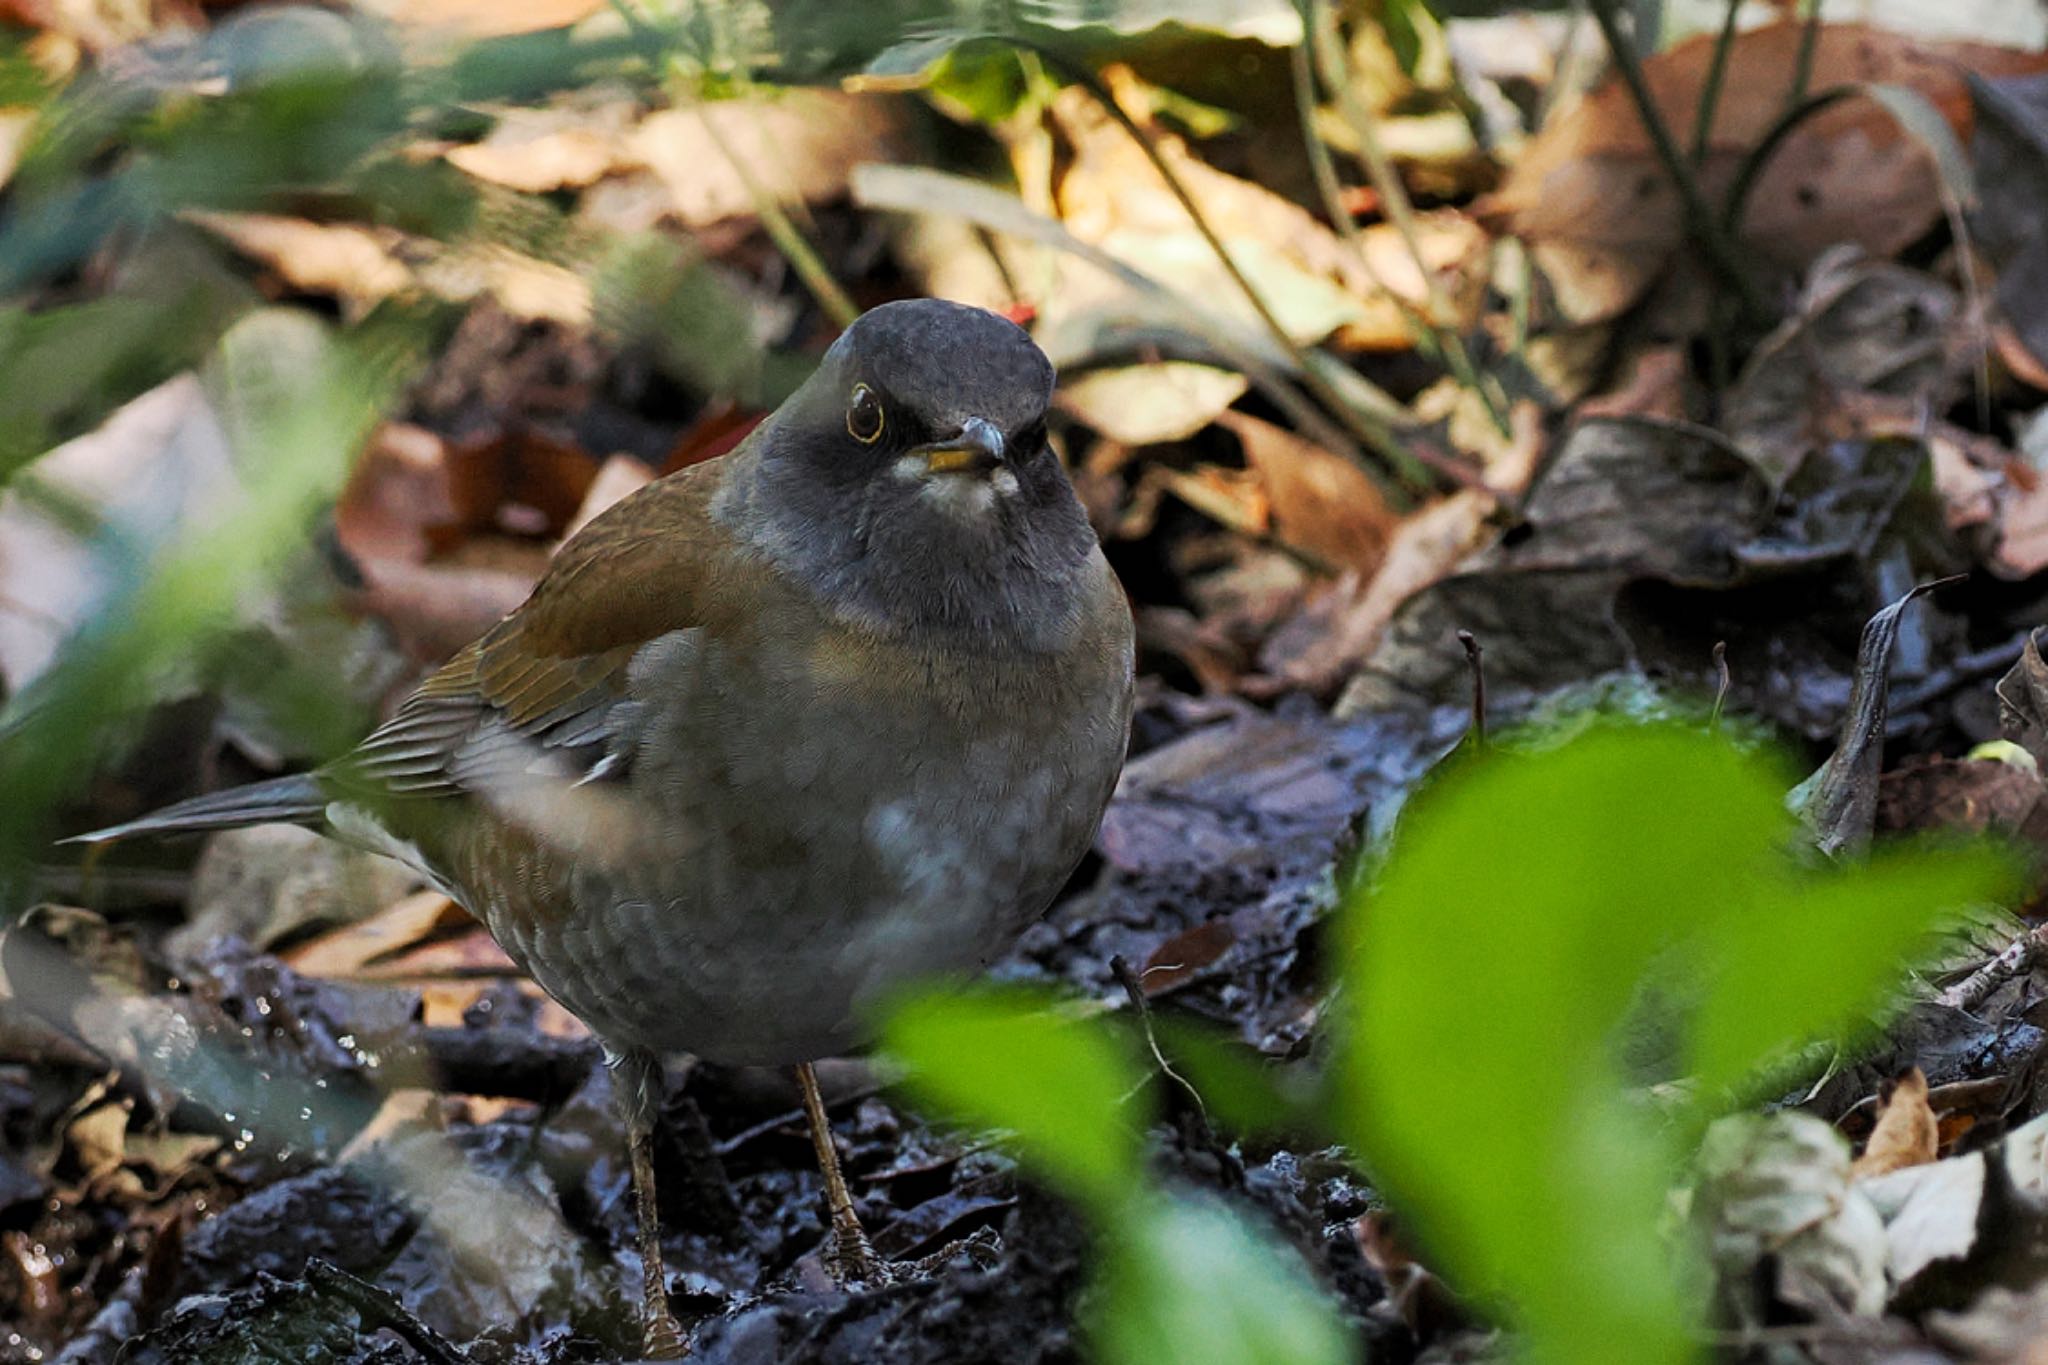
[976, 450]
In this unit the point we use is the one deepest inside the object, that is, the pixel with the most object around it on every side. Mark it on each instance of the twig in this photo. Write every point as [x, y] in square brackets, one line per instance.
[1701, 224]
[1809, 42]
[1710, 92]
[1369, 430]
[1134, 990]
[1474, 656]
[1722, 679]
[2018, 957]
[376, 1309]
[1318, 54]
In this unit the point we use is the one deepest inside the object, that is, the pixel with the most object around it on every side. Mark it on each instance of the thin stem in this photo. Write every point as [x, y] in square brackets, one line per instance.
[1319, 50]
[1368, 430]
[1809, 42]
[1710, 93]
[1700, 221]
[810, 267]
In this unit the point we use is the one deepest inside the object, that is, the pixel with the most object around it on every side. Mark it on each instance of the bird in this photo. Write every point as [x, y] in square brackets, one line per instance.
[773, 736]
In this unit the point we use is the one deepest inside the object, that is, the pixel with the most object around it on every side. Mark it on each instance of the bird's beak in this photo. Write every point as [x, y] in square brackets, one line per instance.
[976, 450]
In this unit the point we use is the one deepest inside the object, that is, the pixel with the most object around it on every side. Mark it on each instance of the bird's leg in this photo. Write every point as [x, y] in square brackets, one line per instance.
[636, 1083]
[851, 1258]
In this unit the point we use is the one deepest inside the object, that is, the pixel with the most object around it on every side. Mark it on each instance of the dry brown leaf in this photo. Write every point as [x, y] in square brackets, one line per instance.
[483, 18]
[1590, 193]
[1905, 1135]
[1653, 387]
[538, 151]
[616, 477]
[355, 264]
[349, 950]
[800, 146]
[1137, 405]
[1111, 195]
[1318, 502]
[1343, 627]
[436, 609]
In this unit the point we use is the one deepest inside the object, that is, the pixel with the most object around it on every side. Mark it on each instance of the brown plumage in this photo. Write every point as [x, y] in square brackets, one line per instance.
[775, 735]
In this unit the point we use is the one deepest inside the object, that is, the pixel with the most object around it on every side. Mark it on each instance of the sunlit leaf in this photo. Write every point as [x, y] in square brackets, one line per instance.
[1195, 1284]
[1006, 1059]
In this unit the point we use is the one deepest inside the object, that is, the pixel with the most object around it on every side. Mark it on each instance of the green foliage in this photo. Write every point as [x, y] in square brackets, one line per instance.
[1063, 1082]
[1537, 903]
[1524, 906]
[296, 404]
[1180, 1280]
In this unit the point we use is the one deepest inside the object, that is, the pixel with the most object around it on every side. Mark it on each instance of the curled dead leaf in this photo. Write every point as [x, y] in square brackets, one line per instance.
[1906, 1132]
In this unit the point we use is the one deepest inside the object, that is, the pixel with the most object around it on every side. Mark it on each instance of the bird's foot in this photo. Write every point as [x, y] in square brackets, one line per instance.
[662, 1338]
[982, 1248]
[853, 1262]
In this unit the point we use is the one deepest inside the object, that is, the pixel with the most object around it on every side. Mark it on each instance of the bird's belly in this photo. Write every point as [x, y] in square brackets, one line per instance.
[804, 882]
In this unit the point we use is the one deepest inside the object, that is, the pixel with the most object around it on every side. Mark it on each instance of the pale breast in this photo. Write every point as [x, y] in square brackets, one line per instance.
[833, 816]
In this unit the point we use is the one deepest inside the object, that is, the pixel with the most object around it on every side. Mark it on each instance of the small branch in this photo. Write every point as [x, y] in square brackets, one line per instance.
[1721, 680]
[1474, 657]
[1134, 990]
[1700, 221]
[1710, 92]
[1318, 51]
[377, 1310]
[2018, 958]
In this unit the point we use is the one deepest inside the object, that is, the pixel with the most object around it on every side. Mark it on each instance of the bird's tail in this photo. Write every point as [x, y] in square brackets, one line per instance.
[296, 799]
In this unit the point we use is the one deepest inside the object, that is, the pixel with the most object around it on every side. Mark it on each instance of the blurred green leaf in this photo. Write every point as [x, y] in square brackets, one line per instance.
[1524, 906]
[1243, 1091]
[1193, 1283]
[1817, 955]
[1008, 1059]
[296, 403]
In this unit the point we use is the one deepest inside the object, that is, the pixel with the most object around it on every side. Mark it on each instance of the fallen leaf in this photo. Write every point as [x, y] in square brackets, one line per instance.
[351, 949]
[1860, 328]
[1839, 802]
[157, 468]
[1906, 1133]
[539, 151]
[1594, 200]
[357, 265]
[1342, 625]
[1959, 795]
[2023, 701]
[1168, 400]
[616, 477]
[1775, 1196]
[1318, 502]
[482, 18]
[799, 145]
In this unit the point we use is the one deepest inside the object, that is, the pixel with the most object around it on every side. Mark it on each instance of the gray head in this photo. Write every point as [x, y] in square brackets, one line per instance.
[909, 484]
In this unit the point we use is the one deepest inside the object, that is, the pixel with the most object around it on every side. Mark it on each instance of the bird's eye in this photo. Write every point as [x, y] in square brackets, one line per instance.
[864, 415]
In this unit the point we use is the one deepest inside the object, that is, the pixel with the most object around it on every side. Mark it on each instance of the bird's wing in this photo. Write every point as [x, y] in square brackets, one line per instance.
[541, 690]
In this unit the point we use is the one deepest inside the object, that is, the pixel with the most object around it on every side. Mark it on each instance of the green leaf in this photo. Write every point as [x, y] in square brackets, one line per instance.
[1487, 972]
[1817, 955]
[1532, 905]
[1007, 1059]
[1195, 1284]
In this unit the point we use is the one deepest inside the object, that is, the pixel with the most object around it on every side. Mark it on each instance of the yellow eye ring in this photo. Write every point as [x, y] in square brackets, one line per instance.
[864, 417]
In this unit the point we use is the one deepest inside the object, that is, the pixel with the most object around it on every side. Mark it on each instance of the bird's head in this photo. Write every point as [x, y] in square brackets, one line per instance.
[909, 479]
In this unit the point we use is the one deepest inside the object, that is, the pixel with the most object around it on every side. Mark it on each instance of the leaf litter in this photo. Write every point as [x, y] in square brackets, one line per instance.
[280, 1101]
